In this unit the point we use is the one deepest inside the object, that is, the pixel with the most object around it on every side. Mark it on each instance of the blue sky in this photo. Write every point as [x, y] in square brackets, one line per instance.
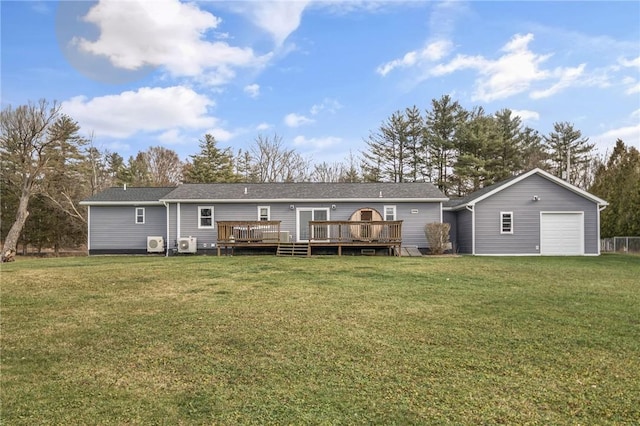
[321, 75]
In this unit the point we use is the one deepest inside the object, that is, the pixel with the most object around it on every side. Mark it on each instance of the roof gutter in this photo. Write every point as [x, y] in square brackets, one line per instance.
[121, 203]
[303, 200]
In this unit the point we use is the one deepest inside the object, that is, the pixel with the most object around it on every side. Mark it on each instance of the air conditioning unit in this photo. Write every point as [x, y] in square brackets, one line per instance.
[155, 244]
[285, 237]
[187, 245]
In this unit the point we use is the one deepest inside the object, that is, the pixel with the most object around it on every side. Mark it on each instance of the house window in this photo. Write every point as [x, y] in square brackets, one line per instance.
[205, 217]
[139, 215]
[506, 222]
[264, 213]
[389, 212]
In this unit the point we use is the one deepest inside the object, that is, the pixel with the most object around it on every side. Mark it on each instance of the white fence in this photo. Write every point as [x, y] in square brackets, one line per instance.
[620, 244]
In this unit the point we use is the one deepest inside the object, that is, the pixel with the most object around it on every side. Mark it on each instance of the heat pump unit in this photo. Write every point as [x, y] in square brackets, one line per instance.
[285, 237]
[187, 245]
[155, 244]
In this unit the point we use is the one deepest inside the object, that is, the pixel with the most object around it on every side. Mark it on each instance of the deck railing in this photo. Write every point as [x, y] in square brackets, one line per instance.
[247, 231]
[335, 231]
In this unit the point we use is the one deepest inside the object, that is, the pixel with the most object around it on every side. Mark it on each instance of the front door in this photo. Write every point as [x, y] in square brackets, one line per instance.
[306, 215]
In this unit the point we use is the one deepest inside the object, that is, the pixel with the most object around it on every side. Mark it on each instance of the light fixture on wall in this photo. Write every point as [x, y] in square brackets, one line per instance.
[333, 206]
[536, 198]
[291, 207]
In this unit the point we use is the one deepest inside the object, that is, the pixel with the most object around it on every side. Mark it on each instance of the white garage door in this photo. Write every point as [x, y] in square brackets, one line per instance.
[562, 233]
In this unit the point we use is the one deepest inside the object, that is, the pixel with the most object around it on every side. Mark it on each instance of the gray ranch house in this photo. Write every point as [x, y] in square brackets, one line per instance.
[531, 214]
[208, 218]
[534, 213]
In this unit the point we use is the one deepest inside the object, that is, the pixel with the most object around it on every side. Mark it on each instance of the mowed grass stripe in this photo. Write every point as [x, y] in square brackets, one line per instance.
[323, 340]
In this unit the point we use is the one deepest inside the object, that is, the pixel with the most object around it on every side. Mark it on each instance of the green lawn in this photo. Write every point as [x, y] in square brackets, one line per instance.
[323, 340]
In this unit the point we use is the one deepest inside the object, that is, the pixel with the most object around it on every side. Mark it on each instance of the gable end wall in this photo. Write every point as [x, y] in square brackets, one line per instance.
[518, 199]
[113, 228]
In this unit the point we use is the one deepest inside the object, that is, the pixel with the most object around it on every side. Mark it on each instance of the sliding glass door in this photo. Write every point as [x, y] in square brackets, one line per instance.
[306, 215]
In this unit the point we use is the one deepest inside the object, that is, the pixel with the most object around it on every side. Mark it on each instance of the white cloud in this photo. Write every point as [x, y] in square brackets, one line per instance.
[253, 90]
[166, 33]
[516, 70]
[633, 89]
[40, 7]
[512, 73]
[329, 105]
[296, 120]
[444, 15]
[144, 110]
[278, 18]
[460, 62]
[568, 77]
[432, 52]
[630, 135]
[316, 143]
[171, 136]
[526, 115]
[220, 134]
[630, 63]
[263, 126]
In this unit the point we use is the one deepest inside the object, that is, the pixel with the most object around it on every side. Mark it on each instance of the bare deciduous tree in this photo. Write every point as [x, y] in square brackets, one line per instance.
[272, 162]
[164, 166]
[31, 136]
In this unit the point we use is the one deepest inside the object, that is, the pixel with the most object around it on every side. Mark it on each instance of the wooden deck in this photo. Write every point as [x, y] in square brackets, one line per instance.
[365, 234]
[325, 233]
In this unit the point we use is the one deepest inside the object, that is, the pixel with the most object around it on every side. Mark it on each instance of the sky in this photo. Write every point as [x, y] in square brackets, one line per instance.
[321, 75]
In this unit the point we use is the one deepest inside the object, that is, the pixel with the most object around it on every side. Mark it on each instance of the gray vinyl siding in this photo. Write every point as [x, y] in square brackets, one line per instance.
[172, 240]
[464, 231]
[518, 199]
[114, 228]
[451, 218]
[412, 227]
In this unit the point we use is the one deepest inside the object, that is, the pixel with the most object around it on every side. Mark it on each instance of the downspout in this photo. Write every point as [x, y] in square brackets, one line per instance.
[600, 208]
[177, 221]
[166, 205]
[473, 228]
[88, 230]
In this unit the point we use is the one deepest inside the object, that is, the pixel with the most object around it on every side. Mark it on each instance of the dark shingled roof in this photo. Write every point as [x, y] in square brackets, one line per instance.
[305, 191]
[130, 195]
[456, 202]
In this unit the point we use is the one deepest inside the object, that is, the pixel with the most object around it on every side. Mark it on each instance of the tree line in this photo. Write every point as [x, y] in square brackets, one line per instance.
[48, 168]
[461, 151]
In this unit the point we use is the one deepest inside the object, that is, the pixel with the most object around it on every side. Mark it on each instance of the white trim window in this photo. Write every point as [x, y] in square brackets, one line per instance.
[264, 213]
[389, 212]
[140, 215]
[506, 222]
[205, 217]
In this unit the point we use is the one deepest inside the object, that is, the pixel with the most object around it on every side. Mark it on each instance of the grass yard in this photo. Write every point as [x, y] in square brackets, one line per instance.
[323, 340]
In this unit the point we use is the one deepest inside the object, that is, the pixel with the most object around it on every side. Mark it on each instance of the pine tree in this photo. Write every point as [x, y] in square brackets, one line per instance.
[415, 146]
[507, 157]
[533, 153]
[473, 142]
[442, 122]
[618, 182]
[569, 153]
[386, 158]
[211, 165]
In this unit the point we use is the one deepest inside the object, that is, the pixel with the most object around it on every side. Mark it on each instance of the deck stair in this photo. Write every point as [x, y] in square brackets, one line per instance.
[409, 251]
[293, 249]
